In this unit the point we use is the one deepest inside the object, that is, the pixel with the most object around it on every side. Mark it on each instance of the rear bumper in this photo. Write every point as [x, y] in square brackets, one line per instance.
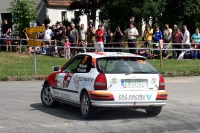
[128, 104]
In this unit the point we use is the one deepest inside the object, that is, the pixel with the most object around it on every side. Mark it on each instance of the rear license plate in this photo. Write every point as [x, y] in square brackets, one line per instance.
[136, 83]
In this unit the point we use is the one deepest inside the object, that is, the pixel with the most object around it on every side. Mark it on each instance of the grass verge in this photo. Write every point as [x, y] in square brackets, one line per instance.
[19, 67]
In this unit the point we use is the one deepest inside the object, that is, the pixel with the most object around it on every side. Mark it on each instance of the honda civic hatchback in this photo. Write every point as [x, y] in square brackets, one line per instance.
[105, 80]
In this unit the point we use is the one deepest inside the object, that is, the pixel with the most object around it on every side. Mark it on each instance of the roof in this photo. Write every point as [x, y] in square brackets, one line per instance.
[64, 3]
[103, 54]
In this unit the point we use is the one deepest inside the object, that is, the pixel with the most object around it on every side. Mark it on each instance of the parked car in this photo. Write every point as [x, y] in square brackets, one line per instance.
[105, 80]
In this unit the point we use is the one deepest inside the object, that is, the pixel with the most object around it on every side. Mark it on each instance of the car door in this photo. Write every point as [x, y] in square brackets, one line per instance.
[66, 87]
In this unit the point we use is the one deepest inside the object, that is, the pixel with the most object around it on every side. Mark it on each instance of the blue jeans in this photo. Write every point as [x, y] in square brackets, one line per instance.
[196, 55]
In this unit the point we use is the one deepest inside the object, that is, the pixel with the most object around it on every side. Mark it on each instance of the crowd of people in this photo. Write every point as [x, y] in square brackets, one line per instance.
[185, 45]
[67, 41]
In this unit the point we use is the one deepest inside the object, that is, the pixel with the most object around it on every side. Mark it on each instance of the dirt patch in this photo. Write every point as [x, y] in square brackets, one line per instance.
[23, 55]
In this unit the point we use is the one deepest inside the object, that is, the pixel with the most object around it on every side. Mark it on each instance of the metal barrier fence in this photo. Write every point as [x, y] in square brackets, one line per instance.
[124, 49]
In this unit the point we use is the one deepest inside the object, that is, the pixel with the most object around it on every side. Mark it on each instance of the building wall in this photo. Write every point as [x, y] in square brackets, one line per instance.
[55, 14]
[40, 8]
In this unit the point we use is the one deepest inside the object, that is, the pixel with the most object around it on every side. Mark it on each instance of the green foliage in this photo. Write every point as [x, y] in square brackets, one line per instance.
[47, 21]
[182, 12]
[119, 11]
[23, 12]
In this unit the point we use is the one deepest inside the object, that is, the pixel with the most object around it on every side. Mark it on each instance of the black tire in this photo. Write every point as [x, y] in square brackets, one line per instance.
[46, 98]
[87, 110]
[154, 111]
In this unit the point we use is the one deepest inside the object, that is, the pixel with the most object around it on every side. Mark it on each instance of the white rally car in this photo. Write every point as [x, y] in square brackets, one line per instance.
[106, 79]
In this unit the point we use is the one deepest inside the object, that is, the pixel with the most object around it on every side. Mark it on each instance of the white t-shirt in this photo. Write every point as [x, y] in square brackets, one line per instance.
[131, 32]
[186, 34]
[47, 34]
[82, 34]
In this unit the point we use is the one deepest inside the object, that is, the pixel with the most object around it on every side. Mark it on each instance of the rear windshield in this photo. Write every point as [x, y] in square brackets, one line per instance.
[124, 65]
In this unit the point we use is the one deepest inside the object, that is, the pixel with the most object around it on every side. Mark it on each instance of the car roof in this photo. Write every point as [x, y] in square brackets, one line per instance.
[108, 54]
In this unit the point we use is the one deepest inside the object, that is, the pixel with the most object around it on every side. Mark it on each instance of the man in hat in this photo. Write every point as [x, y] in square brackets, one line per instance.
[157, 36]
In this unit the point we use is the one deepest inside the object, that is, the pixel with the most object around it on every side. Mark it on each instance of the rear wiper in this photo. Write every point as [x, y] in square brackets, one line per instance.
[136, 72]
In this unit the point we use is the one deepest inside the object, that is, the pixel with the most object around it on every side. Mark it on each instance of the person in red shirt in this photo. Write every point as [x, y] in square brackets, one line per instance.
[99, 39]
[177, 38]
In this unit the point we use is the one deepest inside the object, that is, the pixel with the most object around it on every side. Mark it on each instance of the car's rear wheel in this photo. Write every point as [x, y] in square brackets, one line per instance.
[47, 98]
[87, 110]
[154, 110]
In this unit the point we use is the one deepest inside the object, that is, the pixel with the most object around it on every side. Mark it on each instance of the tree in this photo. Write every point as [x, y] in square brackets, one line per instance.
[23, 12]
[87, 6]
[119, 11]
[182, 12]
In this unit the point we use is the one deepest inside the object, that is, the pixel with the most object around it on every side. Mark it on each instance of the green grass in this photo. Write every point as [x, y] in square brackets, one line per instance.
[15, 64]
[20, 65]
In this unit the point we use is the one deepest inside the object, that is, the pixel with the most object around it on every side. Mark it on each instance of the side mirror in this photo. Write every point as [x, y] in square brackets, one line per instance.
[56, 68]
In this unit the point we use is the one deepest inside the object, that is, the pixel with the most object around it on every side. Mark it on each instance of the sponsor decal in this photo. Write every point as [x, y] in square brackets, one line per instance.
[131, 97]
[148, 96]
[81, 70]
[55, 92]
[66, 96]
[113, 79]
[153, 80]
[82, 66]
[76, 81]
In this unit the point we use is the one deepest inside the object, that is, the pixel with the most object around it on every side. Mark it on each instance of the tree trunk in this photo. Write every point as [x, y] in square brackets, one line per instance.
[93, 11]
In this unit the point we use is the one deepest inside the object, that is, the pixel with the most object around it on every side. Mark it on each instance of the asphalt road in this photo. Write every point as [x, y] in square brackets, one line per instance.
[21, 111]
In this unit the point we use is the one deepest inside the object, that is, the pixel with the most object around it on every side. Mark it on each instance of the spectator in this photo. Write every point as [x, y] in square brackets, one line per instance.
[197, 53]
[165, 53]
[61, 39]
[16, 42]
[189, 54]
[6, 29]
[157, 36]
[173, 46]
[73, 39]
[177, 38]
[118, 39]
[142, 51]
[8, 41]
[91, 38]
[148, 32]
[167, 33]
[47, 37]
[99, 39]
[67, 32]
[196, 38]
[186, 36]
[156, 52]
[109, 38]
[67, 48]
[91, 22]
[132, 33]
[82, 38]
[132, 20]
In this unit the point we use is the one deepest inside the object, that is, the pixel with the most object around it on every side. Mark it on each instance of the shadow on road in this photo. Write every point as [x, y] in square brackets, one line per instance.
[73, 113]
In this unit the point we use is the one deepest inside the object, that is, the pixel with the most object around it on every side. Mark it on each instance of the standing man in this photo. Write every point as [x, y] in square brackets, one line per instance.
[132, 33]
[91, 38]
[99, 39]
[82, 38]
[73, 39]
[61, 39]
[173, 46]
[167, 33]
[47, 38]
[5, 31]
[157, 36]
[118, 39]
[186, 37]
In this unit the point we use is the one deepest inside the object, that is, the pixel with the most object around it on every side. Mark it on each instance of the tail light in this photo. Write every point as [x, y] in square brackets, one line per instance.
[100, 82]
[161, 83]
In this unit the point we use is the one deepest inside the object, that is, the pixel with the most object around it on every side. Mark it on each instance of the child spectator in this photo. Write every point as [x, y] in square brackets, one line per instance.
[197, 53]
[156, 52]
[67, 48]
[142, 51]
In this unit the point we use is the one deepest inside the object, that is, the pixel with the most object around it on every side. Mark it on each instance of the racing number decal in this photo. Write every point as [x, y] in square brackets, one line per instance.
[67, 79]
[84, 60]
